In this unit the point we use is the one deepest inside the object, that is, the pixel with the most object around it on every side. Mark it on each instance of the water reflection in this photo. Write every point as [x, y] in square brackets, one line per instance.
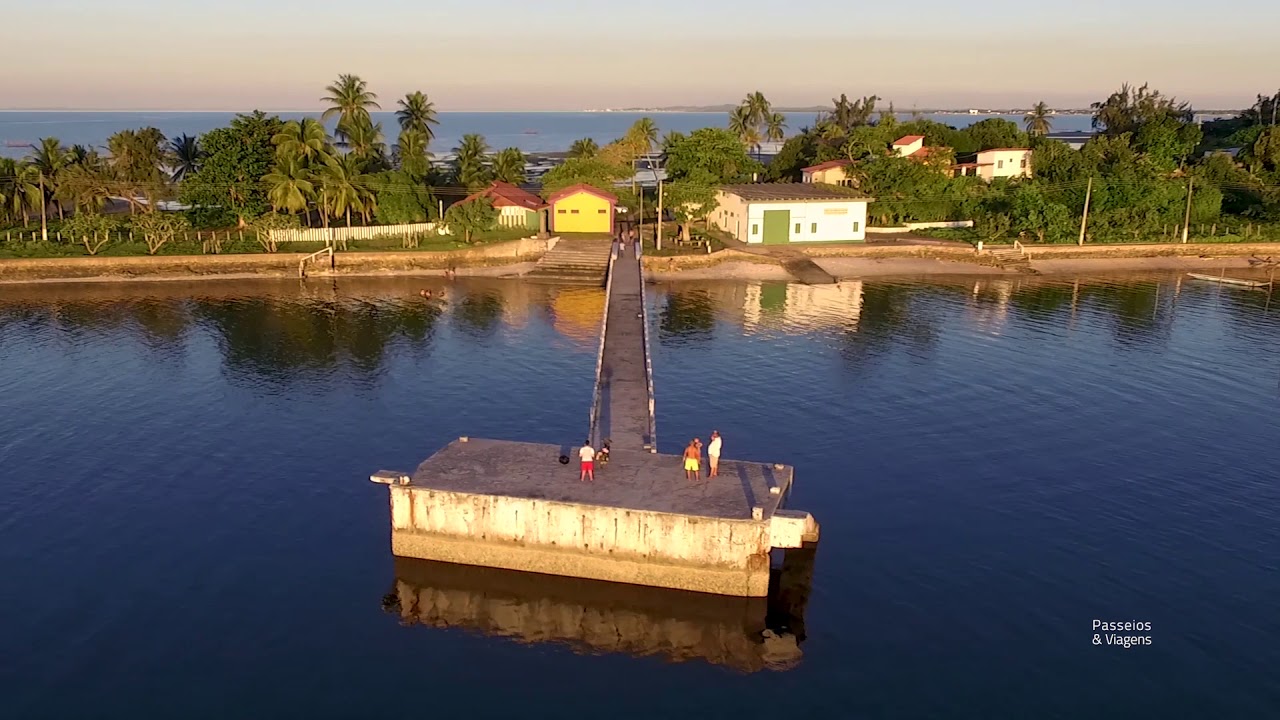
[745, 634]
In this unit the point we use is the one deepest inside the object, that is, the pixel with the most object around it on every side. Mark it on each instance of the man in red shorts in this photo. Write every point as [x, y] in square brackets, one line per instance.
[588, 456]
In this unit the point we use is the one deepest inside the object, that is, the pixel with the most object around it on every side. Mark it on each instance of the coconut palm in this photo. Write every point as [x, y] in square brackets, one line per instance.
[758, 109]
[48, 158]
[671, 138]
[417, 113]
[20, 183]
[350, 100]
[1037, 121]
[363, 139]
[508, 166]
[411, 153]
[305, 140]
[776, 127]
[289, 185]
[469, 169]
[584, 148]
[184, 157]
[643, 135]
[342, 187]
[740, 124]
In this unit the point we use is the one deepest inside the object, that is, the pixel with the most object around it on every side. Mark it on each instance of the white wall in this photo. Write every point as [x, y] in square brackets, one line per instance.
[834, 220]
[730, 215]
[1004, 163]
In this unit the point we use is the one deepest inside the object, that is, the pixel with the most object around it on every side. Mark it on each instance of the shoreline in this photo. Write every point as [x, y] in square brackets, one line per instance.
[512, 260]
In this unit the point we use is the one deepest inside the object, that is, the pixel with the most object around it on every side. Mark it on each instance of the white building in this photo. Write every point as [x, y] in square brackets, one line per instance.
[997, 163]
[780, 213]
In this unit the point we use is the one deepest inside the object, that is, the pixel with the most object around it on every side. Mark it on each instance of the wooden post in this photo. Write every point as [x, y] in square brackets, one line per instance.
[1186, 223]
[658, 241]
[1084, 219]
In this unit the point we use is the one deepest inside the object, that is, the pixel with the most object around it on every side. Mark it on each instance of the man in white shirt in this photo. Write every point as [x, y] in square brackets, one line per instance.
[713, 454]
[588, 456]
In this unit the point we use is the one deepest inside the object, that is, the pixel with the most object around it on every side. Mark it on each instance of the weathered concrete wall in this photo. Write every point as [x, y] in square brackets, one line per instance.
[715, 555]
[268, 264]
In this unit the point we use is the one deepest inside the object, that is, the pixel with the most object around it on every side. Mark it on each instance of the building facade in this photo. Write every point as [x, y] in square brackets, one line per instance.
[831, 172]
[997, 163]
[781, 213]
[517, 207]
[582, 209]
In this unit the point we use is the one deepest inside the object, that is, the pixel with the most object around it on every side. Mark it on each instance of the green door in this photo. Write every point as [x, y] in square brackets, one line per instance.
[531, 220]
[777, 227]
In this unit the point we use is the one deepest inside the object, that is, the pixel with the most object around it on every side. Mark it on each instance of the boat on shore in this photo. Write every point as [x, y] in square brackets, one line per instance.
[1239, 282]
[16, 144]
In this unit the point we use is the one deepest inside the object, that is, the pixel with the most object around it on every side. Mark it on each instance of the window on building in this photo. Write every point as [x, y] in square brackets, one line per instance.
[573, 212]
[813, 227]
[797, 228]
[999, 164]
[855, 226]
[1024, 163]
[755, 229]
[560, 212]
[601, 211]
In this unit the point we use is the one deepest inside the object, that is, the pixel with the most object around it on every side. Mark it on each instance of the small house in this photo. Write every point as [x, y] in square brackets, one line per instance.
[996, 163]
[517, 207]
[831, 172]
[780, 213]
[582, 209]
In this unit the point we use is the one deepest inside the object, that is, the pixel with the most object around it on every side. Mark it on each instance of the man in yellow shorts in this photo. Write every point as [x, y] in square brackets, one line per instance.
[692, 459]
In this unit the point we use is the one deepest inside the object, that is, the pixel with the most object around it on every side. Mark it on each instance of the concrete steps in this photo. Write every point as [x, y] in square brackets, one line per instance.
[1011, 258]
[807, 271]
[574, 261]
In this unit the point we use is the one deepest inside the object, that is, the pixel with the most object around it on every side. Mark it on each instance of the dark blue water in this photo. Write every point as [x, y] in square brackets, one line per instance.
[186, 528]
[529, 131]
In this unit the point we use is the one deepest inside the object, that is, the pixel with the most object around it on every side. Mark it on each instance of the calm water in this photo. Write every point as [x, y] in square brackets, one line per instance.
[531, 132]
[186, 528]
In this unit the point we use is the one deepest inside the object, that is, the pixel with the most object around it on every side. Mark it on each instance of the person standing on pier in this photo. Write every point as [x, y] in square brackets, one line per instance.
[713, 454]
[588, 457]
[692, 459]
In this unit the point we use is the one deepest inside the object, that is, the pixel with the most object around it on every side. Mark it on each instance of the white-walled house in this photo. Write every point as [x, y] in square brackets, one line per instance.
[997, 163]
[780, 213]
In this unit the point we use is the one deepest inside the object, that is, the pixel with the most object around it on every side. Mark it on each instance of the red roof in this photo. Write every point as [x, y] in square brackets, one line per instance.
[1005, 150]
[907, 140]
[582, 187]
[504, 194]
[828, 165]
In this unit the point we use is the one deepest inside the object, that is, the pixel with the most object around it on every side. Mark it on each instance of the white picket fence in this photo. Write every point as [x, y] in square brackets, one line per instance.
[340, 235]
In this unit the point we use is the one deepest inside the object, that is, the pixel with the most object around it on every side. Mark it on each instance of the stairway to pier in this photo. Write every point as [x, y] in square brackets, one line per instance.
[1011, 259]
[624, 391]
[574, 261]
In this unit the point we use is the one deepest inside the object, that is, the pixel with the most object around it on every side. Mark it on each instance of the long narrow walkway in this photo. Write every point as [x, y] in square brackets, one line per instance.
[623, 413]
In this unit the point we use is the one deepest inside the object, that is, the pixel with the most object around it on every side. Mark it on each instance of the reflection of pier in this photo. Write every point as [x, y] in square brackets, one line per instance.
[521, 506]
[746, 634]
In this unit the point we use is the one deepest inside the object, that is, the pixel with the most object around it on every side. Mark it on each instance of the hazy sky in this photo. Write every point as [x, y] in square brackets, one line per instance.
[577, 54]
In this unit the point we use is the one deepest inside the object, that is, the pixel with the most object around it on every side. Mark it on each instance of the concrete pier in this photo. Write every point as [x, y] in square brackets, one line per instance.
[516, 506]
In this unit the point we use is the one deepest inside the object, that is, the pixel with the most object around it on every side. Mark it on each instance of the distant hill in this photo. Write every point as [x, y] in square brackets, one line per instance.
[827, 108]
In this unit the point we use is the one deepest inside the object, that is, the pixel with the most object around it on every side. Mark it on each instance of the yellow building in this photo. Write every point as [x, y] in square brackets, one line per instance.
[582, 209]
[831, 172]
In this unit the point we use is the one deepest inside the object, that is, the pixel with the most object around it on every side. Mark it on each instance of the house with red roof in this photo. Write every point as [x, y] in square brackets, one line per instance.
[517, 207]
[831, 172]
[996, 163]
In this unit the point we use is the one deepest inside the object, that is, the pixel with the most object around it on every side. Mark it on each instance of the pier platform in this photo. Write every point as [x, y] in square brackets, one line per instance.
[517, 506]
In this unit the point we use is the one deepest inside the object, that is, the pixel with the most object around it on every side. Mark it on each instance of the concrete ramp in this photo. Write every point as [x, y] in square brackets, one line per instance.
[574, 261]
[807, 271]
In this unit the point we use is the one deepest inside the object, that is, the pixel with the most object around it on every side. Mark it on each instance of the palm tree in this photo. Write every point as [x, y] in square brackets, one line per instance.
[342, 187]
[411, 153]
[48, 158]
[24, 193]
[305, 140]
[508, 166]
[184, 157]
[644, 135]
[671, 138]
[289, 185]
[417, 113]
[740, 124]
[350, 99]
[776, 127]
[758, 109]
[1037, 121]
[469, 168]
[585, 148]
[364, 140]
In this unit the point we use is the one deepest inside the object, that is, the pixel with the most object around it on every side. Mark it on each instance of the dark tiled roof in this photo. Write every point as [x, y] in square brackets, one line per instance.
[826, 165]
[793, 192]
[502, 193]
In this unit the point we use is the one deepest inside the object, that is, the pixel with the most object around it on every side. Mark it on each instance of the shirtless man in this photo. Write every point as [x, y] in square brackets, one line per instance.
[692, 459]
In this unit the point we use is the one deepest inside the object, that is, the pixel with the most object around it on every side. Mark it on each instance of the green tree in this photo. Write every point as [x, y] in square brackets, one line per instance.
[1129, 108]
[418, 113]
[184, 157]
[643, 135]
[289, 186]
[47, 159]
[227, 185]
[710, 156]
[509, 166]
[89, 229]
[350, 100]
[265, 224]
[400, 198]
[995, 133]
[776, 127]
[689, 202]
[343, 188]
[159, 228]
[305, 140]
[1038, 122]
[469, 167]
[137, 167]
[470, 217]
[583, 149]
[743, 127]
[589, 171]
[363, 141]
[411, 155]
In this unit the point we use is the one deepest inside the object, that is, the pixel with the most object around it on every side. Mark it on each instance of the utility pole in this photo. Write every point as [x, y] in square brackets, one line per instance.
[1088, 193]
[658, 241]
[1186, 223]
[44, 226]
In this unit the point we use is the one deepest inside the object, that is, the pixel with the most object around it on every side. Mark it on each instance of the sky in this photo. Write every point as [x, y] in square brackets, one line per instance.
[576, 54]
